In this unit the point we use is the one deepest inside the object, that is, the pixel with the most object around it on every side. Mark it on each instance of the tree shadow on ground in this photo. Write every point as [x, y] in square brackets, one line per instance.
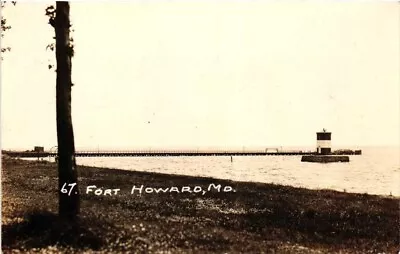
[41, 229]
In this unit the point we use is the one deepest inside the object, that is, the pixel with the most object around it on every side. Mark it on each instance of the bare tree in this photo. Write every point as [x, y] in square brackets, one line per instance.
[69, 203]
[67, 171]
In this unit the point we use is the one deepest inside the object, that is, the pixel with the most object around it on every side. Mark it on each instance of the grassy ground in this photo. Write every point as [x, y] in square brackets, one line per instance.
[257, 218]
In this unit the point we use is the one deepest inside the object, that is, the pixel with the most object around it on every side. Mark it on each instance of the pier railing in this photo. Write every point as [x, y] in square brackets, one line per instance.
[177, 152]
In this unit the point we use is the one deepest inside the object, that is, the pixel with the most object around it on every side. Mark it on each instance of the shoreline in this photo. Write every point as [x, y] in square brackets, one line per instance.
[238, 181]
[255, 217]
[389, 194]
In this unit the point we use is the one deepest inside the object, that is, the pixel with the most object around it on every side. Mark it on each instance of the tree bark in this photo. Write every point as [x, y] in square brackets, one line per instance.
[67, 171]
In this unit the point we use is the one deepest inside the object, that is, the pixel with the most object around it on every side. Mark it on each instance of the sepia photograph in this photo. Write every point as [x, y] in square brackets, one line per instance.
[179, 126]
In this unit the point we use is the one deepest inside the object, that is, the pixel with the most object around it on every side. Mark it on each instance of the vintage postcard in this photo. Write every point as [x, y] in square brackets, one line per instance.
[200, 127]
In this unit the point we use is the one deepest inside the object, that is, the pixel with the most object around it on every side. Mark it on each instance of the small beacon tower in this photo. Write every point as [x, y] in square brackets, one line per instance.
[324, 153]
[324, 142]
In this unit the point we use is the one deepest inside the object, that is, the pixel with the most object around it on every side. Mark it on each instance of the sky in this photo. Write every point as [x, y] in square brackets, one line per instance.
[203, 74]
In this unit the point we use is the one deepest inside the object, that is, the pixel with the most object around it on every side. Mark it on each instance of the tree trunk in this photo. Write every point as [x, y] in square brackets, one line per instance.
[67, 171]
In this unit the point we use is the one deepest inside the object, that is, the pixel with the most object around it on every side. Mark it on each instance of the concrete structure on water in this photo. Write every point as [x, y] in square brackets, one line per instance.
[325, 158]
[324, 150]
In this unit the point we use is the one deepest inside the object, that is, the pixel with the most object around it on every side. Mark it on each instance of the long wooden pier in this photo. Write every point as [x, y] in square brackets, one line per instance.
[158, 153]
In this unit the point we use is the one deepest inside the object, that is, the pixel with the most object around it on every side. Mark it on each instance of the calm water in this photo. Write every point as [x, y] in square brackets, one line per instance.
[377, 171]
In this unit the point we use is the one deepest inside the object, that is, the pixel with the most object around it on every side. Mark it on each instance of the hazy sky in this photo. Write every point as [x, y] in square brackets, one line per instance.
[229, 74]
